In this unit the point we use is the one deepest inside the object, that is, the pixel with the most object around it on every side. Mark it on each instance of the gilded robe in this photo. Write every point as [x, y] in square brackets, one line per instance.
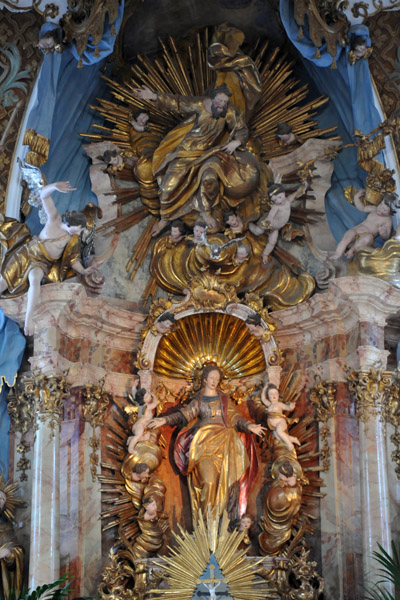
[215, 453]
[191, 155]
[20, 253]
[143, 144]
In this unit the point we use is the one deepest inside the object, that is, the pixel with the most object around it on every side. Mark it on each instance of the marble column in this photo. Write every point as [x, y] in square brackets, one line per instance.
[44, 561]
[375, 507]
[47, 394]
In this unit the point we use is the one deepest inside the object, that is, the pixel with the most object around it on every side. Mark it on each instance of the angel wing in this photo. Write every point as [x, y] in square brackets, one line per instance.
[35, 180]
[233, 241]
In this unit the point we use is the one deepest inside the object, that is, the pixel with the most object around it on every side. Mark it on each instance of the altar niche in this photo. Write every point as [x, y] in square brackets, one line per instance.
[221, 452]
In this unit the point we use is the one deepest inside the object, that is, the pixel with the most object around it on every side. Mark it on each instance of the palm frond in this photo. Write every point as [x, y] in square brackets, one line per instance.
[389, 573]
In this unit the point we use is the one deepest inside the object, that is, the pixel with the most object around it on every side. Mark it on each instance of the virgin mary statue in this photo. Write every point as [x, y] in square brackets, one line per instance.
[214, 449]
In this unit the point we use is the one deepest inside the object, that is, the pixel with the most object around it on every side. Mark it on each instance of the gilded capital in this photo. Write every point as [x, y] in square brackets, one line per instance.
[372, 389]
[46, 394]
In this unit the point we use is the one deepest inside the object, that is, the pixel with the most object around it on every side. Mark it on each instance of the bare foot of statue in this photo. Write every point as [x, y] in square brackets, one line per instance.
[158, 227]
[29, 328]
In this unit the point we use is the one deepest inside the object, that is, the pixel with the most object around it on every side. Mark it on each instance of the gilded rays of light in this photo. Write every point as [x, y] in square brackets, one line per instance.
[191, 553]
[209, 338]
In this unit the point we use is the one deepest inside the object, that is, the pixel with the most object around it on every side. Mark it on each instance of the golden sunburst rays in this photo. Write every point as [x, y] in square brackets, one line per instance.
[305, 428]
[182, 68]
[191, 553]
[117, 503]
[12, 502]
[206, 338]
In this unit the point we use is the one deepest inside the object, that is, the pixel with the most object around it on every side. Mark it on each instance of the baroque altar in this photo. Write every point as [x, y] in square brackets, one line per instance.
[207, 406]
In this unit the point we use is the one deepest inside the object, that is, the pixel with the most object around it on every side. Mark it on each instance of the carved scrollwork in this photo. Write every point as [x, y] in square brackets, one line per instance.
[23, 420]
[94, 406]
[323, 397]
[327, 22]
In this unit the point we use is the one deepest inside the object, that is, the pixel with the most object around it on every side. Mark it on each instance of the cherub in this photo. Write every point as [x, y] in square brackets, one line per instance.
[253, 323]
[358, 50]
[147, 405]
[277, 217]
[178, 231]
[164, 323]
[151, 509]
[242, 254]
[276, 419]
[378, 222]
[285, 133]
[198, 230]
[25, 265]
[114, 161]
[233, 221]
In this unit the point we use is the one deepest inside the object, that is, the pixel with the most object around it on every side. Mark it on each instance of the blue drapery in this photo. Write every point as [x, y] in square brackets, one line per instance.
[351, 106]
[12, 346]
[62, 110]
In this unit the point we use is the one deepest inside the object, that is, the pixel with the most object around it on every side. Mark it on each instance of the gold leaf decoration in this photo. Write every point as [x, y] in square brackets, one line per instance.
[206, 338]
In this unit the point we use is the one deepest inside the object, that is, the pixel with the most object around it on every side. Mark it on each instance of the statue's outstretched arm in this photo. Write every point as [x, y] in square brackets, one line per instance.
[47, 200]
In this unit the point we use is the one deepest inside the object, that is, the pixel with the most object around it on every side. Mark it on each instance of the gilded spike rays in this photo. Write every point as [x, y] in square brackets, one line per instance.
[182, 68]
[190, 554]
[12, 502]
[209, 338]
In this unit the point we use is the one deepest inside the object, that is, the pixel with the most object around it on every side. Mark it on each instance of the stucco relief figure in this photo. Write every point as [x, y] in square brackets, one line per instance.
[275, 418]
[378, 222]
[199, 161]
[27, 260]
[281, 505]
[213, 450]
[11, 553]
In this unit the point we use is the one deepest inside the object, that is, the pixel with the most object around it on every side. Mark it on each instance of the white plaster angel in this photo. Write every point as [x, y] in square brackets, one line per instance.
[147, 405]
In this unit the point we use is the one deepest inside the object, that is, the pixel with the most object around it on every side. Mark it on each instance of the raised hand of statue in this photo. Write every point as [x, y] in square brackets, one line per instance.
[209, 220]
[231, 146]
[145, 93]
[62, 186]
[257, 429]
[156, 423]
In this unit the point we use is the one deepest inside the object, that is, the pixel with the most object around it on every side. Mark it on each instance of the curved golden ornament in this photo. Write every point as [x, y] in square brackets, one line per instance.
[383, 263]
[209, 338]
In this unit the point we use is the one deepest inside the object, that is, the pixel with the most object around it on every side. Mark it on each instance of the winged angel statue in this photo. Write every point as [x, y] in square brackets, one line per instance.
[59, 251]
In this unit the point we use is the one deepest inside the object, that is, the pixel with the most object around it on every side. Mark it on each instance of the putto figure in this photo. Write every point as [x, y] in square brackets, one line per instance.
[277, 217]
[193, 163]
[275, 418]
[378, 222]
[27, 260]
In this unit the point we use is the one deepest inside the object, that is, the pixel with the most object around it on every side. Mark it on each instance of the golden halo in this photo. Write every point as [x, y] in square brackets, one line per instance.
[209, 338]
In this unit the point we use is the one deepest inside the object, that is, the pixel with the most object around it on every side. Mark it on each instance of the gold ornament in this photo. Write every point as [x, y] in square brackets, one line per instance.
[185, 565]
[23, 415]
[47, 393]
[371, 389]
[95, 403]
[209, 338]
[323, 397]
